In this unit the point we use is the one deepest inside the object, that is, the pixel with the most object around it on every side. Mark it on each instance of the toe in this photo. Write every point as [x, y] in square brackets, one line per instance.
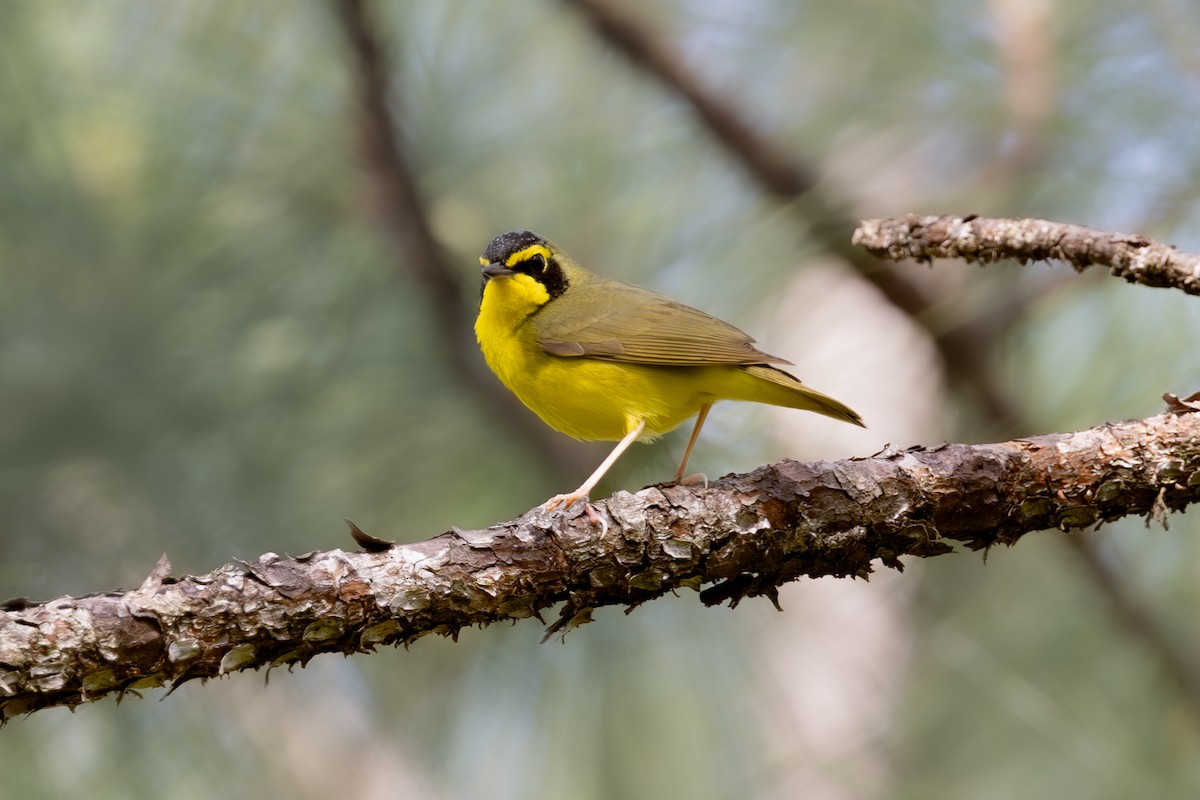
[563, 501]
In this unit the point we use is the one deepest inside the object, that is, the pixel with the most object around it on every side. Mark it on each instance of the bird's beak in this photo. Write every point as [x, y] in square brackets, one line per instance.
[495, 270]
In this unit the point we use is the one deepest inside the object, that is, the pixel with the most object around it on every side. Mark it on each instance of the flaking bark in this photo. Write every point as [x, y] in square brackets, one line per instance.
[744, 534]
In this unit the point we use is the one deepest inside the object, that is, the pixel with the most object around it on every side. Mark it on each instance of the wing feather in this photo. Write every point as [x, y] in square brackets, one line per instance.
[627, 323]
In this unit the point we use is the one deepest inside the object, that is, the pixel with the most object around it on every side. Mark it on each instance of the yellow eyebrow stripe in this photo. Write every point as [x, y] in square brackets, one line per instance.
[526, 254]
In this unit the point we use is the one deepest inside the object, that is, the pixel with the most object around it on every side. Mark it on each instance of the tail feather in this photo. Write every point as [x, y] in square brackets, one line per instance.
[778, 388]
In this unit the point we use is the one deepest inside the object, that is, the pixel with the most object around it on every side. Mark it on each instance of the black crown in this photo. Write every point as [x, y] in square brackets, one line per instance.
[504, 245]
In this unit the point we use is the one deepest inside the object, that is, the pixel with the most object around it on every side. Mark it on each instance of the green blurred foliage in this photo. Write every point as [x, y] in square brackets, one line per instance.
[208, 350]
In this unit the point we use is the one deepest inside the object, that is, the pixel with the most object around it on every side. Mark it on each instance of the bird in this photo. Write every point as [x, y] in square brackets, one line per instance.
[603, 360]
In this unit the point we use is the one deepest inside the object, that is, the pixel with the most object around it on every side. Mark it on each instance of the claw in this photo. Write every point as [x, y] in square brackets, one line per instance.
[594, 517]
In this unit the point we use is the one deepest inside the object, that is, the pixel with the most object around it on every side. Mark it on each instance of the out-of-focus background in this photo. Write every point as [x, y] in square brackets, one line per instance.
[213, 345]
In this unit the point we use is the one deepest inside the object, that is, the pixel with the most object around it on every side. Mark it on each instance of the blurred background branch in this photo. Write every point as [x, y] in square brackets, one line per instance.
[820, 211]
[401, 215]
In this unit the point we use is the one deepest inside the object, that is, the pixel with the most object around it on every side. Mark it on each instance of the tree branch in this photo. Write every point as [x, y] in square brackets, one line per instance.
[1137, 259]
[1133, 257]
[790, 180]
[965, 348]
[746, 534]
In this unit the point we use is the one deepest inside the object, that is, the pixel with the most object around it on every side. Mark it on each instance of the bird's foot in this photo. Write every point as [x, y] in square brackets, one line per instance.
[692, 480]
[565, 501]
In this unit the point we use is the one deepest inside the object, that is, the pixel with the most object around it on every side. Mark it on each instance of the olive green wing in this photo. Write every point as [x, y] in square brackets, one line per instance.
[618, 321]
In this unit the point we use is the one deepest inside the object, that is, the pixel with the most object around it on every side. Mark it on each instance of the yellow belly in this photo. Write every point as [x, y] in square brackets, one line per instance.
[592, 399]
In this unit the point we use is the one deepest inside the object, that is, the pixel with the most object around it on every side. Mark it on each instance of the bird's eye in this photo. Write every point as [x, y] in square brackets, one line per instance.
[536, 264]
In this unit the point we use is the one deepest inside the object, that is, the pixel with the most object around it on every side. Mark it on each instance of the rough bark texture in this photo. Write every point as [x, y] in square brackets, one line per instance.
[745, 534]
[1133, 257]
